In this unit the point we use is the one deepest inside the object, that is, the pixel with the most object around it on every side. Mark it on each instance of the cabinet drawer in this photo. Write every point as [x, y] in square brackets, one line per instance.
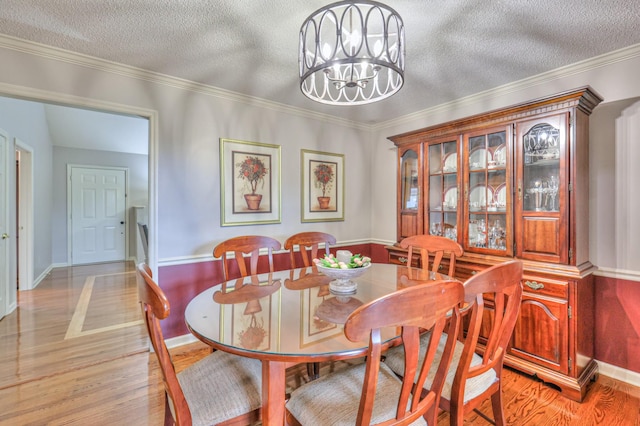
[464, 271]
[400, 258]
[545, 287]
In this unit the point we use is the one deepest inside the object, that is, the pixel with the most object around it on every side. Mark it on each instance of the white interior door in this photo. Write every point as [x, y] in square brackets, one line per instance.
[98, 207]
[4, 226]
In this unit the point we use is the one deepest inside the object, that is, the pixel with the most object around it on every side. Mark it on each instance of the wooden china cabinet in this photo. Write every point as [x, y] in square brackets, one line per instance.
[513, 183]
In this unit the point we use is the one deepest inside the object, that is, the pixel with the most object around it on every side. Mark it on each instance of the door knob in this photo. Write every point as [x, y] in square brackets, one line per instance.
[5, 236]
[122, 222]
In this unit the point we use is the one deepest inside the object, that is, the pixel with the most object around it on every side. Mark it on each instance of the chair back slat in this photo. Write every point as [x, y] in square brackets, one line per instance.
[245, 245]
[306, 241]
[436, 246]
[429, 306]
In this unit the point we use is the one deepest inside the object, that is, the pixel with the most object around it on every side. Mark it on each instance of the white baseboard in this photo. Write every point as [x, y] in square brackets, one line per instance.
[42, 276]
[627, 376]
[185, 339]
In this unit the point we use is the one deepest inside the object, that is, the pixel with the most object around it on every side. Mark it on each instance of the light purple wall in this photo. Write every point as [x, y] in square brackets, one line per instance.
[26, 121]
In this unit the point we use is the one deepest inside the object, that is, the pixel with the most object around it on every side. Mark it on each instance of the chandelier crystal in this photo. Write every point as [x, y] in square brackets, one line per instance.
[351, 53]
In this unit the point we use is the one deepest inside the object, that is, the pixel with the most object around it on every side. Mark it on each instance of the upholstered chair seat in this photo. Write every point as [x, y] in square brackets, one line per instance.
[221, 386]
[341, 392]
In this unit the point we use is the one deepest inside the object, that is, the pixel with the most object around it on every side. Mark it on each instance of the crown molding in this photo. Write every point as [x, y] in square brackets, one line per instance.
[30, 93]
[481, 98]
[87, 61]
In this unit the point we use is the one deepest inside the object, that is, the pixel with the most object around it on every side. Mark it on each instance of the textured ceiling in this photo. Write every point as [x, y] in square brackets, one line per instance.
[453, 48]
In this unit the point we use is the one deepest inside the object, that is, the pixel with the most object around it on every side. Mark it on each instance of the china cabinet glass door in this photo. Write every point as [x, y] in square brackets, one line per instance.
[541, 219]
[409, 180]
[410, 222]
[443, 202]
[488, 191]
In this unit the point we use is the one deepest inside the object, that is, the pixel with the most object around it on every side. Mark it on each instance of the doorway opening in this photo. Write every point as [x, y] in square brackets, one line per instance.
[32, 257]
[24, 215]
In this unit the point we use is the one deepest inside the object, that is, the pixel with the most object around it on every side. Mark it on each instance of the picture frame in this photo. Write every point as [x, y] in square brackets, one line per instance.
[249, 183]
[322, 180]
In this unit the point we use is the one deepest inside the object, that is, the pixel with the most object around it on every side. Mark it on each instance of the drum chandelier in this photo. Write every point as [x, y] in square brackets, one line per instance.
[352, 53]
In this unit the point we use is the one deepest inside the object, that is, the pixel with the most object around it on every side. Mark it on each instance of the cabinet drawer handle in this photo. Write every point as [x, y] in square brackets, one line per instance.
[534, 285]
[402, 259]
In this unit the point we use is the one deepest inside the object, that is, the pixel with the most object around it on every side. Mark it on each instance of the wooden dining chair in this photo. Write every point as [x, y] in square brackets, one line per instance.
[219, 389]
[433, 245]
[247, 244]
[493, 297]
[305, 241]
[369, 392]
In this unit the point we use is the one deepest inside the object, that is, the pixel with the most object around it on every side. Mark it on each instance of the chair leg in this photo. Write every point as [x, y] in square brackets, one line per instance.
[313, 370]
[456, 415]
[496, 404]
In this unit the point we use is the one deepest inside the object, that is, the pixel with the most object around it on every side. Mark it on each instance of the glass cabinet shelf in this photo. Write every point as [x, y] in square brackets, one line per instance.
[443, 198]
[487, 191]
[542, 149]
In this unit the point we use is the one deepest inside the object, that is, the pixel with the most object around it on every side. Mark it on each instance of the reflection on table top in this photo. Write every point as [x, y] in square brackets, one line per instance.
[290, 313]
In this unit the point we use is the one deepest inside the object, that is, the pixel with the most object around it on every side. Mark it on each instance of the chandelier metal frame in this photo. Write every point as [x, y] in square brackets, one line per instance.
[352, 53]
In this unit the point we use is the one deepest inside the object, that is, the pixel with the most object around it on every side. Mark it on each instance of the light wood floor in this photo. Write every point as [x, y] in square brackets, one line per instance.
[76, 353]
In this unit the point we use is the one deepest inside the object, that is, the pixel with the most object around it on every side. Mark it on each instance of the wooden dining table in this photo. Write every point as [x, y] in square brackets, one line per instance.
[290, 317]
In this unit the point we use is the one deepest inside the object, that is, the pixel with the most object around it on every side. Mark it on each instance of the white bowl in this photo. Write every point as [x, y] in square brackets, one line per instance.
[342, 283]
[337, 273]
